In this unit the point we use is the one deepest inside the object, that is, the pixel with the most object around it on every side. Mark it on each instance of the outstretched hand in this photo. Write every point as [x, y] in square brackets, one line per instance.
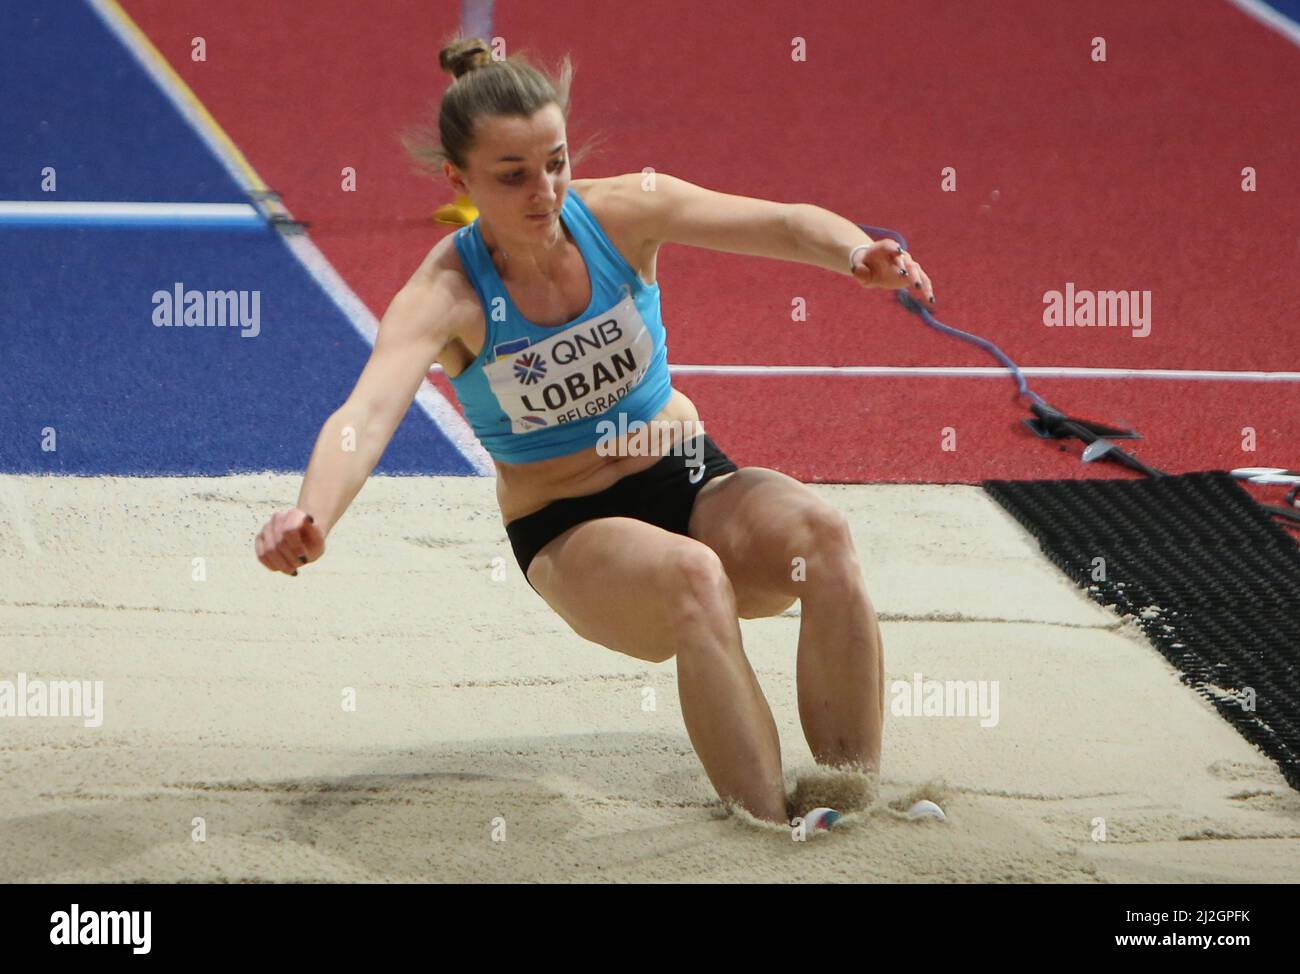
[886, 265]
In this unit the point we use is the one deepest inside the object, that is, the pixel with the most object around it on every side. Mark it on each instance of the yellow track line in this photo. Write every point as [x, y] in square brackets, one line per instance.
[254, 180]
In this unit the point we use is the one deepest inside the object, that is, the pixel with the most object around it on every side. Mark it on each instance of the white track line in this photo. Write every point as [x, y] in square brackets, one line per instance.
[1269, 17]
[977, 371]
[85, 211]
[1040, 371]
[431, 400]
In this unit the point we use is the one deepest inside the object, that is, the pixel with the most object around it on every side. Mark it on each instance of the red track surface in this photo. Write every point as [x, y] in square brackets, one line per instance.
[1118, 175]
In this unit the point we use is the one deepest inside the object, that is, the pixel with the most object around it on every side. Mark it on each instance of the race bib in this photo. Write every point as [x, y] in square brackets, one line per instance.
[579, 372]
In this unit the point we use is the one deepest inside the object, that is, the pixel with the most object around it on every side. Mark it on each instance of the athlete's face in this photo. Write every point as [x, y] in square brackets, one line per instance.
[520, 167]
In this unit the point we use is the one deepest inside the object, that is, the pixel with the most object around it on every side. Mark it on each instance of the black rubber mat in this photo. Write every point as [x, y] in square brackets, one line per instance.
[1212, 580]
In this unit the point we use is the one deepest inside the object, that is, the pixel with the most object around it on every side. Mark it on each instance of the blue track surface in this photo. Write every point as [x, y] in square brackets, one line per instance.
[1291, 8]
[82, 355]
[76, 100]
[80, 352]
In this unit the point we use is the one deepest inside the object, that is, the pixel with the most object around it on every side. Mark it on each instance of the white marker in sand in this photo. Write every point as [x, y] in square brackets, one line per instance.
[819, 820]
[926, 809]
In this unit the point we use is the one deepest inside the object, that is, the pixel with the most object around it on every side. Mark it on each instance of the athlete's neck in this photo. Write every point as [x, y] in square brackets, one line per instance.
[525, 259]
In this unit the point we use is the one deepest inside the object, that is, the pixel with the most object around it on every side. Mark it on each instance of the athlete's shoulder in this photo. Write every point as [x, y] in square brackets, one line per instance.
[615, 189]
[441, 286]
[441, 267]
[619, 203]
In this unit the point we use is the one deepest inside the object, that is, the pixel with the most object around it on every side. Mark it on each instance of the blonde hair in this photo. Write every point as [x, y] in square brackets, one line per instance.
[483, 87]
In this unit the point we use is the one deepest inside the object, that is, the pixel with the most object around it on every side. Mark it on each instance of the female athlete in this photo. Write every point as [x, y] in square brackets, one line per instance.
[544, 314]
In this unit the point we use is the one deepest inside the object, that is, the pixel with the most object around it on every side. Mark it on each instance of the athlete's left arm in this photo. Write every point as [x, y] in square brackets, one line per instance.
[675, 211]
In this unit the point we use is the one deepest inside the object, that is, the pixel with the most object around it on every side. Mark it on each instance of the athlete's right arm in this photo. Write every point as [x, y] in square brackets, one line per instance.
[418, 325]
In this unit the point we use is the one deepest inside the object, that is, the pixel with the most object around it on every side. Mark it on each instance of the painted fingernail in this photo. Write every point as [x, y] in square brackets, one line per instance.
[294, 573]
[932, 299]
[302, 559]
[918, 284]
[310, 519]
[902, 272]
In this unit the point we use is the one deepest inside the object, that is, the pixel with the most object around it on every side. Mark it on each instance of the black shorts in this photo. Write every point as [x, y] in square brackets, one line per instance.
[662, 495]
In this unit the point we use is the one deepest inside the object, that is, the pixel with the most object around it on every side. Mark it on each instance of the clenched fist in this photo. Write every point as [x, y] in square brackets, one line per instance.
[291, 538]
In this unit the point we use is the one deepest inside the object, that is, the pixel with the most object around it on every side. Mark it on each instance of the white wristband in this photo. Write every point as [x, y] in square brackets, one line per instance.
[853, 253]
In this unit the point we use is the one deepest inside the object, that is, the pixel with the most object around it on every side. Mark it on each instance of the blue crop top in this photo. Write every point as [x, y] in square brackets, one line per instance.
[535, 392]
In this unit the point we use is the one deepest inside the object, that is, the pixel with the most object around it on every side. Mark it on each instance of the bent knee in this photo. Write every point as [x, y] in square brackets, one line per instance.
[699, 590]
[832, 557]
[695, 568]
[826, 526]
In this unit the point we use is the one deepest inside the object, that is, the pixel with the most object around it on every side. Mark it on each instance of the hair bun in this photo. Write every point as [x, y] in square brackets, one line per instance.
[463, 56]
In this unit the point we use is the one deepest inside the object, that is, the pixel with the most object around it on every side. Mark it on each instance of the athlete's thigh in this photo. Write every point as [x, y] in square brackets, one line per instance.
[756, 521]
[621, 582]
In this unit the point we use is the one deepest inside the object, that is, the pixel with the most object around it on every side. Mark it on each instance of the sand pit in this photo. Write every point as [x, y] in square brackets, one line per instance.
[490, 743]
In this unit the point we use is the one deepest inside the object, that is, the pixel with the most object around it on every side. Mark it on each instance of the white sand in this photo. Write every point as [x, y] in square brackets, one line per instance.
[474, 701]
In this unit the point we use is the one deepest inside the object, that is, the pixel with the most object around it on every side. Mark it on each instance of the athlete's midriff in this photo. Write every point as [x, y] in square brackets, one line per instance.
[526, 487]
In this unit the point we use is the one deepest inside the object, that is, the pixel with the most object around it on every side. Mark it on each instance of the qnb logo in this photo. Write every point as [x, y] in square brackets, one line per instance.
[102, 927]
[530, 367]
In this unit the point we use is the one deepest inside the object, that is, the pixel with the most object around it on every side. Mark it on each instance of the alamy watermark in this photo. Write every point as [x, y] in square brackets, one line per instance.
[99, 927]
[945, 698]
[638, 438]
[53, 698]
[179, 308]
[1098, 309]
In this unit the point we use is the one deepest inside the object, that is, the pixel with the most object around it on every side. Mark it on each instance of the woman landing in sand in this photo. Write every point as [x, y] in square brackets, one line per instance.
[544, 313]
